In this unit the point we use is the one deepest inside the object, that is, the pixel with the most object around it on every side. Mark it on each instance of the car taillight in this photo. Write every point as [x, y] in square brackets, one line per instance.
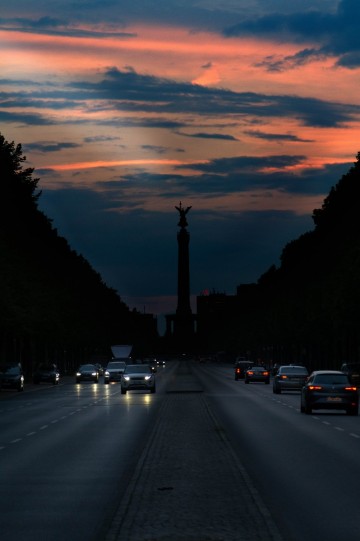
[250, 372]
[315, 387]
[350, 389]
[265, 373]
[238, 370]
[283, 377]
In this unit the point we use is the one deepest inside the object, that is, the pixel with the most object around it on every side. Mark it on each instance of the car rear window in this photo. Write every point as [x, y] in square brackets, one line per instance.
[331, 379]
[116, 365]
[293, 370]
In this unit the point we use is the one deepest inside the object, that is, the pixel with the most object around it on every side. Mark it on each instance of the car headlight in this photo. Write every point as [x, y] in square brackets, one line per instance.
[147, 377]
[106, 374]
[127, 378]
[78, 373]
[94, 374]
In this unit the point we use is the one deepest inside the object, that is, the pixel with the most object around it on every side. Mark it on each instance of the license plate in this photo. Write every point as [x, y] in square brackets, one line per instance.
[334, 399]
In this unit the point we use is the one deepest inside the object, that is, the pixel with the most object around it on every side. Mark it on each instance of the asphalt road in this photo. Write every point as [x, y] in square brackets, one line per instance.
[67, 453]
[306, 467]
[81, 462]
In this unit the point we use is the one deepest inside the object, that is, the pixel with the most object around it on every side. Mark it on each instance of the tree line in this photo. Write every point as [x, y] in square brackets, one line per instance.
[53, 305]
[306, 309]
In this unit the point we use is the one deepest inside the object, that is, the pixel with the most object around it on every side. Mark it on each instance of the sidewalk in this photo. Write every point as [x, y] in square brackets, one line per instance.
[188, 485]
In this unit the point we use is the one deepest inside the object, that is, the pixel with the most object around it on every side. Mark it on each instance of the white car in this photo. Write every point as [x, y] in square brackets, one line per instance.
[138, 376]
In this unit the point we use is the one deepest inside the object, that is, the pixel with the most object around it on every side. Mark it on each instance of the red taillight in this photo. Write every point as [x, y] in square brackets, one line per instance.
[250, 372]
[315, 387]
[284, 377]
[265, 373]
[238, 370]
[350, 389]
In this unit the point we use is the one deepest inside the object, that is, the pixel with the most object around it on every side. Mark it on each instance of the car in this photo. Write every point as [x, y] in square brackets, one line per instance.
[257, 373]
[138, 376]
[161, 363]
[11, 377]
[330, 390]
[352, 370]
[241, 367]
[153, 363]
[87, 372]
[46, 373]
[290, 378]
[114, 371]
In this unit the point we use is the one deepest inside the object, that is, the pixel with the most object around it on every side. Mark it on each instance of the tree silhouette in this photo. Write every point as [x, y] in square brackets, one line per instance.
[53, 304]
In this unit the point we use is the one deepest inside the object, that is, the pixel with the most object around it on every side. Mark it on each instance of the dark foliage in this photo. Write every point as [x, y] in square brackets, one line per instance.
[53, 304]
[307, 310]
[312, 299]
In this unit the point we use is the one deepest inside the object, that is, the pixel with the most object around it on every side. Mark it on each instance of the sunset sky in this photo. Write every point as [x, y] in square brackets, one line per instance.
[246, 110]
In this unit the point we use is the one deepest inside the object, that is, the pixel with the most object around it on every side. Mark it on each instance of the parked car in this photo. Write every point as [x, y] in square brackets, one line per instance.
[46, 373]
[330, 390]
[289, 378]
[257, 373]
[138, 376]
[11, 377]
[241, 367]
[87, 372]
[114, 371]
[352, 370]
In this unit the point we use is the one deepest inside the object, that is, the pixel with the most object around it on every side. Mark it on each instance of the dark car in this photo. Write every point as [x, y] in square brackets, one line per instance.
[87, 372]
[11, 377]
[114, 371]
[241, 367]
[330, 390]
[257, 373]
[160, 363]
[138, 376]
[46, 373]
[289, 378]
[353, 371]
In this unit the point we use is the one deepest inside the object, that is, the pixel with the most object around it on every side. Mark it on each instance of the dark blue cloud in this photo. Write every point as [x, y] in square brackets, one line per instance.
[137, 93]
[337, 33]
[280, 137]
[33, 119]
[49, 146]
[203, 135]
[115, 242]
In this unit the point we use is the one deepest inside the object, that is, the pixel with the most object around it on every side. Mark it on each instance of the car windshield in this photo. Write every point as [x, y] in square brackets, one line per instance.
[137, 368]
[47, 368]
[87, 367]
[11, 370]
[331, 379]
[293, 370]
[116, 365]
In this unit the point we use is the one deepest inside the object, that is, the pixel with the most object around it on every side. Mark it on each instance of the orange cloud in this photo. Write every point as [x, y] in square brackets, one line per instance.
[116, 163]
